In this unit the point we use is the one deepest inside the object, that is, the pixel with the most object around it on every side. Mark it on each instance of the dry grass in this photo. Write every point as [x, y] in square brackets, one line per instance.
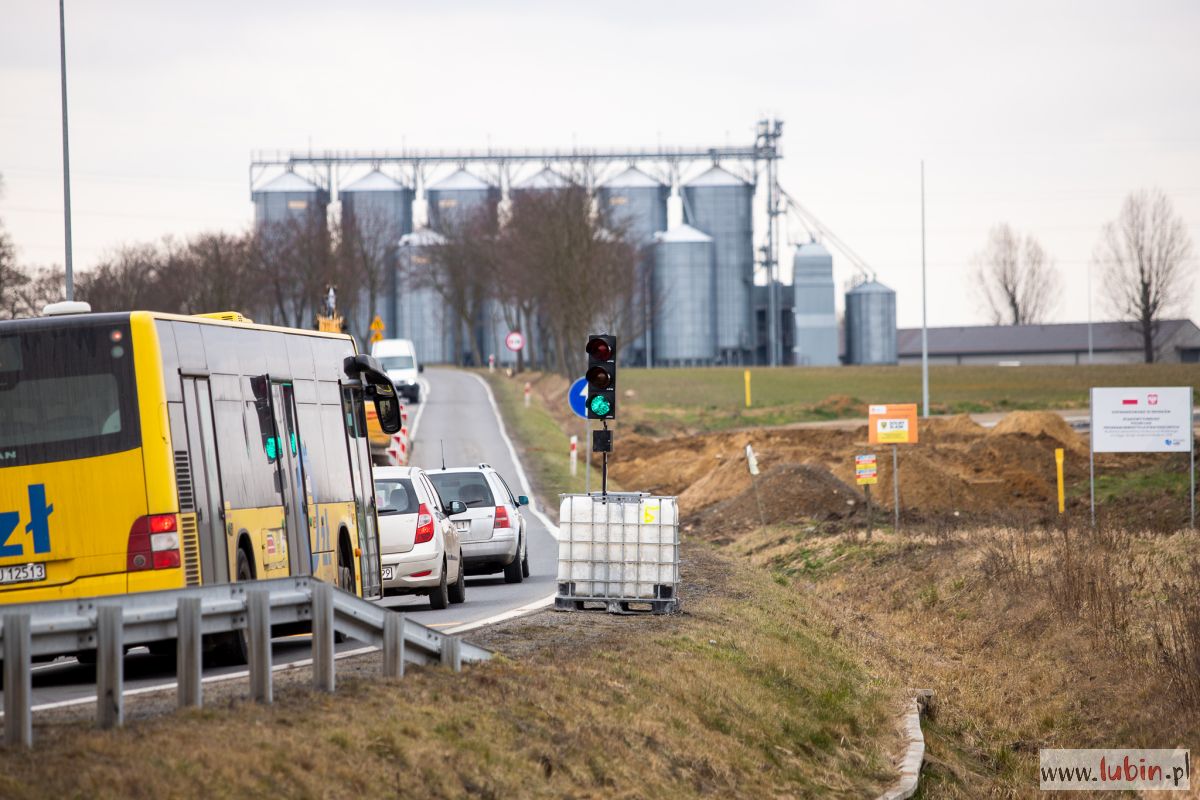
[746, 694]
[1029, 639]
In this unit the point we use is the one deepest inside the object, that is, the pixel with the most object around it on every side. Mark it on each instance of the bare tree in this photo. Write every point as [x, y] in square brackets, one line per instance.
[130, 278]
[1145, 257]
[296, 263]
[1015, 279]
[216, 272]
[458, 268]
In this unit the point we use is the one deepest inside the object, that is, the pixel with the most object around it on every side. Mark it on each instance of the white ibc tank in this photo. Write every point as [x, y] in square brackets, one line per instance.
[623, 546]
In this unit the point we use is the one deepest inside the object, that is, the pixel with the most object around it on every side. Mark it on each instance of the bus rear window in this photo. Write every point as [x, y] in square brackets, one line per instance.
[66, 393]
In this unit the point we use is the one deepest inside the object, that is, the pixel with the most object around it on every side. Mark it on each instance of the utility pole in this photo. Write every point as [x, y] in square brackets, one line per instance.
[769, 133]
[924, 321]
[62, 51]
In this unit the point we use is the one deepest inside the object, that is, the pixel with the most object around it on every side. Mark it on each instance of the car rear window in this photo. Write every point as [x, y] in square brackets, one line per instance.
[395, 496]
[469, 487]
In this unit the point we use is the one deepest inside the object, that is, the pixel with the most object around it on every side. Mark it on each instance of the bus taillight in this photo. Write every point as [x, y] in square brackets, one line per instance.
[153, 543]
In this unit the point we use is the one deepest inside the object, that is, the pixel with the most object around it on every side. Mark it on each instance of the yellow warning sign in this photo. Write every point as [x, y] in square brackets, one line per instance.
[377, 329]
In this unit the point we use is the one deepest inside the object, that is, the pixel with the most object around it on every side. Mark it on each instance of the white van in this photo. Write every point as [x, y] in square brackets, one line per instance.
[399, 360]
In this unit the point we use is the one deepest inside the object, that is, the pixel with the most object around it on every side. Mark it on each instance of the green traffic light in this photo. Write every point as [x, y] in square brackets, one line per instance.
[600, 405]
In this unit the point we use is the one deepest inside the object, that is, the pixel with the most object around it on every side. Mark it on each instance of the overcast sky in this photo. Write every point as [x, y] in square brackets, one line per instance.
[1039, 114]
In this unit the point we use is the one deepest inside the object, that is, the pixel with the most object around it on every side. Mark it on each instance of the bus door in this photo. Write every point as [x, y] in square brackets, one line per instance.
[295, 487]
[364, 491]
[205, 477]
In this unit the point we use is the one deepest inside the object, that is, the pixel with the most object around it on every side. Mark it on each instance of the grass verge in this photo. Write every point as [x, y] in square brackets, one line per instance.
[746, 694]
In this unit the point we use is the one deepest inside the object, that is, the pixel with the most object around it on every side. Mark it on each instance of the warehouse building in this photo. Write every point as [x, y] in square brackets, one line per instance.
[1178, 340]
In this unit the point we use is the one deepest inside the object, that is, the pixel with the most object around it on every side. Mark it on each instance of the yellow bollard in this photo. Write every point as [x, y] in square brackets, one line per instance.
[747, 376]
[1058, 460]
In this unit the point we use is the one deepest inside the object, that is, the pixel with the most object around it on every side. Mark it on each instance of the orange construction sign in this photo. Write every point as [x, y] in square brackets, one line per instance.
[892, 424]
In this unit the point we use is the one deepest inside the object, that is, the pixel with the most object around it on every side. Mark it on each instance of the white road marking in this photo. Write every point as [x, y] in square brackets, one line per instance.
[522, 478]
[529, 608]
[412, 430]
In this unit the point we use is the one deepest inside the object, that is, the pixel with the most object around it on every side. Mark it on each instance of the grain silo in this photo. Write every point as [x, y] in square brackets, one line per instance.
[421, 314]
[455, 197]
[685, 292]
[871, 324]
[636, 203]
[720, 204]
[288, 197]
[376, 212]
[816, 341]
[544, 180]
[464, 199]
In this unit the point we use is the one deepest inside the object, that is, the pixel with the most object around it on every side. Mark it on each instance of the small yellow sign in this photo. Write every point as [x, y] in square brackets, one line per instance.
[377, 324]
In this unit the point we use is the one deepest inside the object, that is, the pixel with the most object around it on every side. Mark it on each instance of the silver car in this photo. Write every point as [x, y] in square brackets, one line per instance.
[419, 546]
[492, 526]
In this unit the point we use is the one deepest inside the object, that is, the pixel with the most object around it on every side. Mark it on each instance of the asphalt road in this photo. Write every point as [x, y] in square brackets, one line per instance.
[456, 414]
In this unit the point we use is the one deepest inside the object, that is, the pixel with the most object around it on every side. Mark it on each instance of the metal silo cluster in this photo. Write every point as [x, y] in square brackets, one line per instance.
[720, 204]
[871, 324]
[814, 312]
[685, 292]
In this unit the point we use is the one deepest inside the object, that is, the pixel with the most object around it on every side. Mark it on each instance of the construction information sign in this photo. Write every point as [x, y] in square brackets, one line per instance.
[893, 424]
[1142, 419]
[864, 470]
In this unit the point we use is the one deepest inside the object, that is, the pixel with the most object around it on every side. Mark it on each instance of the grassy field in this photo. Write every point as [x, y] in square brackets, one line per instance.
[677, 400]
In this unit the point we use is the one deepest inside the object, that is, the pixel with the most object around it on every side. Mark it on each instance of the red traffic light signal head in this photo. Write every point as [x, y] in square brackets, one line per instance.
[599, 349]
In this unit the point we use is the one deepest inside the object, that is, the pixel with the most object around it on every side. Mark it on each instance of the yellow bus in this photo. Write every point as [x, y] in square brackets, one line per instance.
[143, 451]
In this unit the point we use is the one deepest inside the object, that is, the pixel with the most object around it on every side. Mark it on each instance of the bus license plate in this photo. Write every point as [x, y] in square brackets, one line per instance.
[387, 573]
[22, 573]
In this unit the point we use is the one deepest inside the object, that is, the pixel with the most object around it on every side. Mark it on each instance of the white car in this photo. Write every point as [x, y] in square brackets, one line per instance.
[399, 360]
[419, 545]
[494, 538]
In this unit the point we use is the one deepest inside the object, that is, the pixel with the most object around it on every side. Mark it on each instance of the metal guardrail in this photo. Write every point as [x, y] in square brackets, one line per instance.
[110, 624]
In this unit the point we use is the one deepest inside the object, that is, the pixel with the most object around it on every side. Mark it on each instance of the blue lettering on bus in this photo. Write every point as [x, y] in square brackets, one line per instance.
[39, 524]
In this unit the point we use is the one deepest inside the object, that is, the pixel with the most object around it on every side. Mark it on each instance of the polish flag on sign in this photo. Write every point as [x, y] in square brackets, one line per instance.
[1129, 402]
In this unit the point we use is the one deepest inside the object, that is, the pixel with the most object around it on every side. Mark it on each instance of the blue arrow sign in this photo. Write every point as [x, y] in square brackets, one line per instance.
[577, 397]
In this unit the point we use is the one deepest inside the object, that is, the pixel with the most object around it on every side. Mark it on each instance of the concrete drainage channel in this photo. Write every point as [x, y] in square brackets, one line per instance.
[914, 754]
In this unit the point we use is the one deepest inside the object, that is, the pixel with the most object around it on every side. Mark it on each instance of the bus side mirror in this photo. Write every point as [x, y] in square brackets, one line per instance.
[420, 367]
[387, 409]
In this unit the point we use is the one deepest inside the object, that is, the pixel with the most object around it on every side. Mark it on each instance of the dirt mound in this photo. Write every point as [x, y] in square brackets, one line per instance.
[1039, 423]
[788, 493]
[951, 429]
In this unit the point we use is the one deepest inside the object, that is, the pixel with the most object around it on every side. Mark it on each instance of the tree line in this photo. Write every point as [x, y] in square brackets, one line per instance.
[554, 265]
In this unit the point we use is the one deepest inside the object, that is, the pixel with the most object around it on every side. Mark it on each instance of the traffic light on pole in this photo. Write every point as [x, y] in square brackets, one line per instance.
[601, 376]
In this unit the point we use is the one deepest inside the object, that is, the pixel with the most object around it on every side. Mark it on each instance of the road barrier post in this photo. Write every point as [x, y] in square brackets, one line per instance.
[393, 645]
[574, 455]
[528, 391]
[110, 667]
[452, 653]
[189, 653]
[258, 635]
[324, 675]
[746, 378]
[18, 681]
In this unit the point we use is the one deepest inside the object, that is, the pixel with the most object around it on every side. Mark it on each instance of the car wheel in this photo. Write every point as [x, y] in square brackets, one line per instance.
[525, 561]
[458, 592]
[514, 572]
[439, 598]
